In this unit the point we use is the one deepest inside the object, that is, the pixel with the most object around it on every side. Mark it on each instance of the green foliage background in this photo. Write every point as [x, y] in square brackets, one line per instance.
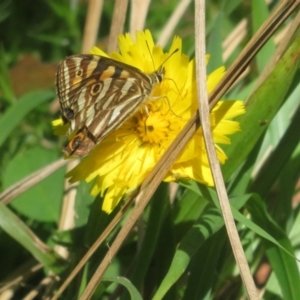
[184, 253]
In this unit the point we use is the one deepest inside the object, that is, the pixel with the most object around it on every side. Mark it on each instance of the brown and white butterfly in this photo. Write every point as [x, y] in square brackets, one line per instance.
[97, 94]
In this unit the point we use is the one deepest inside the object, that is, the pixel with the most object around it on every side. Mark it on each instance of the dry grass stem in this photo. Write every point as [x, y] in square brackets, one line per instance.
[173, 188]
[168, 30]
[92, 24]
[117, 24]
[234, 39]
[281, 35]
[274, 21]
[67, 216]
[22, 274]
[204, 113]
[42, 286]
[284, 43]
[93, 248]
[138, 14]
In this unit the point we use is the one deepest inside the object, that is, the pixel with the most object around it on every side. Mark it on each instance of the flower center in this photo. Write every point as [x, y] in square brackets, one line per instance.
[152, 126]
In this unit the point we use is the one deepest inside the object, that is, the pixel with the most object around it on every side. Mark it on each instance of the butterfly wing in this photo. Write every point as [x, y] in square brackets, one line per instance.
[97, 95]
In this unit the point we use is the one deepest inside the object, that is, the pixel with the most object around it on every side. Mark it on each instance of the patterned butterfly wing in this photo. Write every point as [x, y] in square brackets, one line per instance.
[97, 94]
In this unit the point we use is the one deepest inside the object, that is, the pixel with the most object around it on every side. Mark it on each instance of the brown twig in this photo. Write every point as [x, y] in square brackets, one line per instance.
[21, 274]
[172, 22]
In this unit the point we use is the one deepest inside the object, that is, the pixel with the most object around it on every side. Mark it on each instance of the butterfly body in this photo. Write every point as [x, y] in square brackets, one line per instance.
[97, 94]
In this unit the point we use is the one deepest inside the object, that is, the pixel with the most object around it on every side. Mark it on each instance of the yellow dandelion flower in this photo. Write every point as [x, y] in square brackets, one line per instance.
[121, 162]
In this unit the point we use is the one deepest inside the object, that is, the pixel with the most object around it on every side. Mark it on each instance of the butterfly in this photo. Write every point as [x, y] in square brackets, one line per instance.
[97, 95]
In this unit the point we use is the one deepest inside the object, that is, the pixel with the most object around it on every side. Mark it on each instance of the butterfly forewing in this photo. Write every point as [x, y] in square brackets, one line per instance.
[97, 94]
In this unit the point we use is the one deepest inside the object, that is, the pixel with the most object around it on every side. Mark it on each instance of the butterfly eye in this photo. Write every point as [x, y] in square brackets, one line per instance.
[69, 113]
[159, 78]
[95, 89]
[79, 73]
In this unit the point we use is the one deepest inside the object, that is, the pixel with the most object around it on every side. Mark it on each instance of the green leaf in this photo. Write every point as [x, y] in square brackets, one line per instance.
[214, 46]
[5, 84]
[13, 226]
[208, 223]
[98, 220]
[82, 203]
[278, 158]
[188, 209]
[260, 13]
[261, 107]
[158, 209]
[294, 233]
[204, 265]
[43, 201]
[253, 226]
[134, 294]
[15, 114]
[283, 264]
[273, 287]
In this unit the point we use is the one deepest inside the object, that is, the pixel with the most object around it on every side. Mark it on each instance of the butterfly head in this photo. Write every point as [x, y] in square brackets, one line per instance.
[160, 74]
[157, 76]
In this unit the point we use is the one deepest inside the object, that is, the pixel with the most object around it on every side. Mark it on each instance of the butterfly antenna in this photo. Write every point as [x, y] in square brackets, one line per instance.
[150, 55]
[176, 50]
